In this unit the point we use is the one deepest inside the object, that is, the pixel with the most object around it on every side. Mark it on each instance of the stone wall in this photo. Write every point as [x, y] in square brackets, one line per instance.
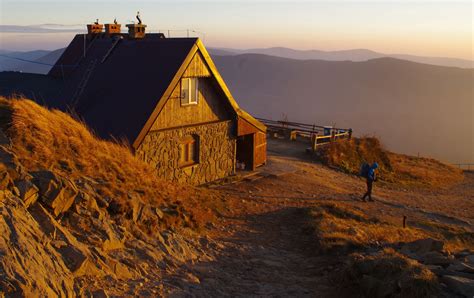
[216, 152]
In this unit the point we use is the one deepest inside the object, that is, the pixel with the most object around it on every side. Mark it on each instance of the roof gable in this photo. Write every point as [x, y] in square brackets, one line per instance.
[122, 90]
[119, 87]
[199, 49]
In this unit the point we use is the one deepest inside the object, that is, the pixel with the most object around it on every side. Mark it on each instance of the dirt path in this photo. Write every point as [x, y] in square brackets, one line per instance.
[263, 255]
[259, 246]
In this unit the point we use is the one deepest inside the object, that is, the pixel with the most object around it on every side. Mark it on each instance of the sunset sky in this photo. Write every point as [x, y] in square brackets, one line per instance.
[427, 28]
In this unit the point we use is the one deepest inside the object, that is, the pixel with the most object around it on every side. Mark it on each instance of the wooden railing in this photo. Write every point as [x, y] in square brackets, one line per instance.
[465, 166]
[317, 135]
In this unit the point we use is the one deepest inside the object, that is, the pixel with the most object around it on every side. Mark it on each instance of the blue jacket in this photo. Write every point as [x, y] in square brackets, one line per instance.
[371, 174]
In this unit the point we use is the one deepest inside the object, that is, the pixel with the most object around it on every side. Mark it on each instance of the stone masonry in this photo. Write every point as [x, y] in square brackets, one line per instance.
[216, 153]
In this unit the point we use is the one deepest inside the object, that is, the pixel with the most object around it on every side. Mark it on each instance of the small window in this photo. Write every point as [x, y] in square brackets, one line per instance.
[189, 151]
[189, 91]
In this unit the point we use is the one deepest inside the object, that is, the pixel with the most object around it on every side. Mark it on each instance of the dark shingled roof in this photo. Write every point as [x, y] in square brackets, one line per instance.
[121, 92]
[117, 84]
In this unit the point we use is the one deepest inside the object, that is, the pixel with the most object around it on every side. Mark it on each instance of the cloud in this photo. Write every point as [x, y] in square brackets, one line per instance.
[43, 28]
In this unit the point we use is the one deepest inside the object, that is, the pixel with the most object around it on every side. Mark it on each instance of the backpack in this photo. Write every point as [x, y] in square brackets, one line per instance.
[364, 170]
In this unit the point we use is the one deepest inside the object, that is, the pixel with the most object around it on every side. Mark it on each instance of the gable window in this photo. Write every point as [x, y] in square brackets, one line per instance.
[188, 151]
[189, 91]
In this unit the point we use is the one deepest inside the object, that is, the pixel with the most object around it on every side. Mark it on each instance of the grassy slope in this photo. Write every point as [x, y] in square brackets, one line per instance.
[51, 139]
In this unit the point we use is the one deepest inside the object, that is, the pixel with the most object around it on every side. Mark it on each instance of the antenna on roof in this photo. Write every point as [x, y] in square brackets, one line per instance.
[97, 22]
[115, 21]
[138, 18]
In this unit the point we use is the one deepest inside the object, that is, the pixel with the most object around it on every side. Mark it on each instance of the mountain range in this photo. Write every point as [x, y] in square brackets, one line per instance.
[344, 55]
[415, 108]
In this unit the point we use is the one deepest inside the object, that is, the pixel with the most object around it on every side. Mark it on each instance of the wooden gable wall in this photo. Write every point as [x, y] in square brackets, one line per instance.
[212, 105]
[197, 68]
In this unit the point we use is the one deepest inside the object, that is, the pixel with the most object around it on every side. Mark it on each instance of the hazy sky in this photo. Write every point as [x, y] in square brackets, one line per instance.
[429, 28]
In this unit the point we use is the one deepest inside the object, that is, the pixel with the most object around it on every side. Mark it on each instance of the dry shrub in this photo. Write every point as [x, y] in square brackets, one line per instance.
[405, 170]
[340, 228]
[389, 274]
[456, 238]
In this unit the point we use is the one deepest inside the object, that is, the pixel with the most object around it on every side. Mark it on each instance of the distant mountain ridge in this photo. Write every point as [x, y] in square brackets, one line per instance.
[343, 55]
[414, 108]
[356, 55]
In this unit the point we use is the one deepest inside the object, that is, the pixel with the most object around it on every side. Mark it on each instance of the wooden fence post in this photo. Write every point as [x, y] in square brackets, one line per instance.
[314, 141]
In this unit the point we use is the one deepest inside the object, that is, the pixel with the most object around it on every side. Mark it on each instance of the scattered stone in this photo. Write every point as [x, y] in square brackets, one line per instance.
[28, 192]
[5, 181]
[460, 285]
[13, 166]
[100, 294]
[460, 266]
[469, 259]
[58, 193]
[422, 246]
[435, 258]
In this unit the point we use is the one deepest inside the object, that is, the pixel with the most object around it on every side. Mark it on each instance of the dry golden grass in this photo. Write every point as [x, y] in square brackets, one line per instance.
[389, 274]
[340, 227]
[400, 169]
[51, 139]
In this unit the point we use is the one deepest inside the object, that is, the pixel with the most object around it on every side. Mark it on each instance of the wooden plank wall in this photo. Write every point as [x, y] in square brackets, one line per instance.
[245, 128]
[208, 109]
[197, 68]
[260, 149]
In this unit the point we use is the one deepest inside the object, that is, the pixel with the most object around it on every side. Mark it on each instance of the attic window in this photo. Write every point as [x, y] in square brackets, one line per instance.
[188, 151]
[189, 91]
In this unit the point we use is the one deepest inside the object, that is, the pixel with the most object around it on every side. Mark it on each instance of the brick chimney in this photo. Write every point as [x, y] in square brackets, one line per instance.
[136, 31]
[111, 29]
[95, 28]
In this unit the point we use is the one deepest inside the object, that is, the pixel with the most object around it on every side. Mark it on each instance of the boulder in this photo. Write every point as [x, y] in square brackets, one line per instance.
[462, 267]
[73, 258]
[57, 192]
[100, 294]
[28, 192]
[422, 246]
[5, 181]
[435, 258]
[11, 163]
[459, 285]
[469, 259]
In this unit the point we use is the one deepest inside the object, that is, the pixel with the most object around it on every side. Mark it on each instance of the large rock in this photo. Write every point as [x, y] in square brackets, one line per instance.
[28, 192]
[462, 267]
[11, 164]
[6, 181]
[422, 246]
[436, 258]
[470, 259]
[460, 285]
[29, 264]
[57, 192]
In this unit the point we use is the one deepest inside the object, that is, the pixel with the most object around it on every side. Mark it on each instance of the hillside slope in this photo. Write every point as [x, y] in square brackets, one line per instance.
[80, 215]
[414, 108]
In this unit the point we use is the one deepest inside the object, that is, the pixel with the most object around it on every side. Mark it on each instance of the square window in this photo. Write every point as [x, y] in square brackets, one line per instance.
[189, 91]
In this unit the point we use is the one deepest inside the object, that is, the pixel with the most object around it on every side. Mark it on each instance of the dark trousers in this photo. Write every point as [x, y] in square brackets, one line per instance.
[369, 190]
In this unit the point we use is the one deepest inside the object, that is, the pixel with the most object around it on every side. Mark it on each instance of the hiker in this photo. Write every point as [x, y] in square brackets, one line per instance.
[370, 177]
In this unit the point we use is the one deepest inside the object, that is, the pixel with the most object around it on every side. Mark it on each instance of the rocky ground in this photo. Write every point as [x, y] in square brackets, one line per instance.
[261, 247]
[59, 237]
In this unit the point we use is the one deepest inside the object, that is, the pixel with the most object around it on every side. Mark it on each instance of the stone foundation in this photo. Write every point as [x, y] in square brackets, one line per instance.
[216, 153]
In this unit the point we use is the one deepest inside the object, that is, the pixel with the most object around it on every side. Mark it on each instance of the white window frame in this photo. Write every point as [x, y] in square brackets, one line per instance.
[188, 97]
